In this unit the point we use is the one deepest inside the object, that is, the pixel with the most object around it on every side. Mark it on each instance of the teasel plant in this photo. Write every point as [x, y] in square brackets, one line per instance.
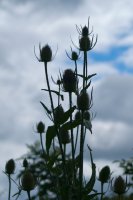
[64, 164]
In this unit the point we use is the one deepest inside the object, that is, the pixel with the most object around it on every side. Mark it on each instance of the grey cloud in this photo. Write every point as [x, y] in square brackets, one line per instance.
[113, 99]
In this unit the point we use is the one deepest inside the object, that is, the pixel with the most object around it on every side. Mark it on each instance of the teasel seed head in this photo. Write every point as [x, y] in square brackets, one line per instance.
[83, 101]
[40, 127]
[84, 44]
[85, 31]
[45, 54]
[58, 113]
[65, 138]
[28, 181]
[25, 163]
[104, 174]
[78, 115]
[87, 115]
[74, 56]
[10, 167]
[69, 81]
[120, 186]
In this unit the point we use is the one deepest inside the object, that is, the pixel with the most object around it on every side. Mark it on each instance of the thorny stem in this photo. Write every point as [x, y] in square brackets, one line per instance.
[77, 132]
[28, 193]
[81, 155]
[9, 192]
[52, 106]
[76, 72]
[42, 143]
[102, 191]
[85, 58]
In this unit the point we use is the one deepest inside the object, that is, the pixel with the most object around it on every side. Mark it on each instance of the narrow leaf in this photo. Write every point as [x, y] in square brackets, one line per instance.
[50, 134]
[45, 108]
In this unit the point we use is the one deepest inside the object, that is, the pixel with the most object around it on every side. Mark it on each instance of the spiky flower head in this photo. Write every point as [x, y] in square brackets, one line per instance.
[74, 56]
[10, 167]
[84, 44]
[69, 81]
[83, 101]
[104, 174]
[28, 181]
[40, 127]
[65, 138]
[85, 31]
[25, 163]
[87, 115]
[45, 54]
[120, 186]
[58, 113]
[78, 115]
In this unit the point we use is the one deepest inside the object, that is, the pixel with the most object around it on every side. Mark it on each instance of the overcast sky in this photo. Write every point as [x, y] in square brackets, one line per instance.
[25, 23]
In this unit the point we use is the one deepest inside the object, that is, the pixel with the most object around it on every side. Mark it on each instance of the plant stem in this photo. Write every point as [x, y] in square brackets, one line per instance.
[9, 192]
[28, 193]
[76, 139]
[81, 155]
[72, 139]
[102, 191]
[42, 143]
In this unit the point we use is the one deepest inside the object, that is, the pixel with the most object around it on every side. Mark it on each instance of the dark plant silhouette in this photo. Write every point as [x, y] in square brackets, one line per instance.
[56, 168]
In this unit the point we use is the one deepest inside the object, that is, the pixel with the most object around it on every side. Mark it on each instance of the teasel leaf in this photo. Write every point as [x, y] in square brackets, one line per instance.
[66, 115]
[50, 134]
[70, 125]
[45, 108]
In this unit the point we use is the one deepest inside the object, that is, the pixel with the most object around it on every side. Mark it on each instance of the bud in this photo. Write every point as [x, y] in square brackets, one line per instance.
[65, 138]
[104, 174]
[83, 101]
[28, 181]
[78, 115]
[25, 163]
[69, 81]
[10, 167]
[85, 31]
[84, 44]
[40, 127]
[87, 115]
[74, 56]
[45, 54]
[119, 186]
[58, 113]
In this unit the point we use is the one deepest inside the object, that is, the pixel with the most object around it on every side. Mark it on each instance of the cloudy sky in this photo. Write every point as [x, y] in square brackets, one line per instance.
[25, 23]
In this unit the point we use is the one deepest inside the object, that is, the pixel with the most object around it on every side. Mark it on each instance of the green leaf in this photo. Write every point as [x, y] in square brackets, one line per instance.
[50, 134]
[70, 125]
[45, 108]
[91, 76]
[67, 114]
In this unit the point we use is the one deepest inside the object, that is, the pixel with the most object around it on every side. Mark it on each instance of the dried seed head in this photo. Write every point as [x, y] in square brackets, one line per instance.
[65, 138]
[40, 127]
[28, 181]
[104, 174]
[25, 163]
[74, 56]
[69, 81]
[119, 186]
[46, 54]
[83, 101]
[10, 167]
[84, 44]
[87, 115]
[78, 115]
[58, 113]
[85, 31]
